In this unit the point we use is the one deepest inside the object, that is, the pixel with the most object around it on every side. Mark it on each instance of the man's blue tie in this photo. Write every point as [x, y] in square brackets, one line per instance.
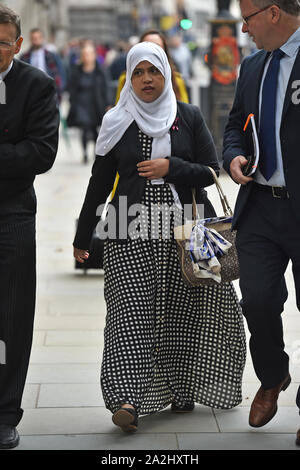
[267, 136]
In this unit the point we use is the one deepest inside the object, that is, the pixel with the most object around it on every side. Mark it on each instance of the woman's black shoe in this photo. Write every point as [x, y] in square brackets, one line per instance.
[186, 408]
[126, 418]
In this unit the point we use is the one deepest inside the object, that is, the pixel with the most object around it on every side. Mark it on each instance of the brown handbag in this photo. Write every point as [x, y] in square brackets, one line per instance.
[229, 262]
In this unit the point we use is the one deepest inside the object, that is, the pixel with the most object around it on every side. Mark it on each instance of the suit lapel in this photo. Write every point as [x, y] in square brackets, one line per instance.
[295, 74]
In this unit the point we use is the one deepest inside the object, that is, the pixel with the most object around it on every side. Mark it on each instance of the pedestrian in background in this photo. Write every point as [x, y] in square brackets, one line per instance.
[40, 57]
[267, 216]
[165, 343]
[29, 123]
[88, 97]
[182, 57]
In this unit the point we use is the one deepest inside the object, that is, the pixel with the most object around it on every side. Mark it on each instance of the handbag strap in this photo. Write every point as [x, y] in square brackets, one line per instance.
[225, 204]
[194, 208]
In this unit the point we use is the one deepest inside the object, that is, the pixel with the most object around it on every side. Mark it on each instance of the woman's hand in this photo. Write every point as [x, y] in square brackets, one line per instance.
[153, 169]
[80, 255]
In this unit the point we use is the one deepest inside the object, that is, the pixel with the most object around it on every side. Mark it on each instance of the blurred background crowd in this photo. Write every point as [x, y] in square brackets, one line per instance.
[84, 47]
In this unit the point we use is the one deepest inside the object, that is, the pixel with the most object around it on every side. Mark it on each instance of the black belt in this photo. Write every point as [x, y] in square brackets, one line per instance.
[279, 192]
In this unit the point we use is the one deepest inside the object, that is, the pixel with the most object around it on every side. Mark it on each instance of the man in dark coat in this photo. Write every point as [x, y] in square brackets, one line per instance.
[88, 96]
[29, 121]
[267, 216]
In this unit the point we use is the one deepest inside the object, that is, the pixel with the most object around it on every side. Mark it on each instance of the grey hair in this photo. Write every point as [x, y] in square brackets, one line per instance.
[292, 7]
[8, 16]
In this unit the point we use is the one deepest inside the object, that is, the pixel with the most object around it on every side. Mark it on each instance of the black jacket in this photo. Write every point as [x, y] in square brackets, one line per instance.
[28, 129]
[99, 95]
[237, 142]
[192, 150]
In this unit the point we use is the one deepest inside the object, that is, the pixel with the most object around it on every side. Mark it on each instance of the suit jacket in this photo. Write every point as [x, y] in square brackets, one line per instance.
[237, 142]
[192, 150]
[28, 131]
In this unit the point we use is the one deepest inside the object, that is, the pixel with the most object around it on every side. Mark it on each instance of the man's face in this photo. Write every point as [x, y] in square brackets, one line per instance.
[8, 35]
[37, 40]
[257, 27]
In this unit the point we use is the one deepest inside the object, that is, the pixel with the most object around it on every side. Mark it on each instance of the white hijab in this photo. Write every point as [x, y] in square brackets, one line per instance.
[154, 119]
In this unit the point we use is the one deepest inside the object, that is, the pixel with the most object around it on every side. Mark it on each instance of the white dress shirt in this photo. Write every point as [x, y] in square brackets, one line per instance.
[3, 74]
[2, 84]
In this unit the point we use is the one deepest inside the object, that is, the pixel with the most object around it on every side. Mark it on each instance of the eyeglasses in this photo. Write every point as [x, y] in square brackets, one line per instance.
[7, 45]
[247, 18]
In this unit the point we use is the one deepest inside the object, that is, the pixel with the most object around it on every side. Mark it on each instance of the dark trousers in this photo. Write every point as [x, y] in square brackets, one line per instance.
[88, 133]
[17, 301]
[267, 238]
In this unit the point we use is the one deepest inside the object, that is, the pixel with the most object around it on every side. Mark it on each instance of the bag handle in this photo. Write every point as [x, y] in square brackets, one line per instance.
[195, 214]
[225, 204]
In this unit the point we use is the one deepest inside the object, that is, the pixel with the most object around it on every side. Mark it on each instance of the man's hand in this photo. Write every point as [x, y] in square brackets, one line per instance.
[236, 170]
[80, 255]
[153, 169]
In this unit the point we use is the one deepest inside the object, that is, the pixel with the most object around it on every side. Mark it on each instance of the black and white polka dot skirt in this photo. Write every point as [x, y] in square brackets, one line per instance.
[163, 341]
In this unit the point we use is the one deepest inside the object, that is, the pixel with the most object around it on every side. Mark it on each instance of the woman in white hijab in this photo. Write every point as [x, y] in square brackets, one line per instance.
[165, 343]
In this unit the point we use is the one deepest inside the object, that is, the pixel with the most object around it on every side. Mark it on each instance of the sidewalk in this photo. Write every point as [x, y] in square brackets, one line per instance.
[63, 405]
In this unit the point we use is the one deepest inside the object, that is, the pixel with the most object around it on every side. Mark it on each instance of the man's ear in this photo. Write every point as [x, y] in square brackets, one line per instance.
[19, 44]
[275, 10]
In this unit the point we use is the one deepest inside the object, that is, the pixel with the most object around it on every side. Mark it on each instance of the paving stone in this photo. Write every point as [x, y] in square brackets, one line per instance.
[70, 395]
[236, 441]
[200, 420]
[75, 338]
[64, 373]
[66, 305]
[39, 338]
[30, 396]
[100, 442]
[69, 322]
[45, 421]
[287, 420]
[68, 354]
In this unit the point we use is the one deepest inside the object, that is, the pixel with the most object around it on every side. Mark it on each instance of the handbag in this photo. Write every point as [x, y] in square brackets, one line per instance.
[229, 261]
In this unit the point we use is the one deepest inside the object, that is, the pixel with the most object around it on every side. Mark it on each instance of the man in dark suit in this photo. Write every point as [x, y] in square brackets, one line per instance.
[267, 216]
[29, 122]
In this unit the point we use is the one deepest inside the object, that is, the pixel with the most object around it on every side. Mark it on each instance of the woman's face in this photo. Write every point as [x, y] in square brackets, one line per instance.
[88, 55]
[147, 82]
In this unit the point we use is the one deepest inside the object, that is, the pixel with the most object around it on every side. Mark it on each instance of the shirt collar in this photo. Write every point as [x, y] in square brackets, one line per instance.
[3, 74]
[291, 47]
